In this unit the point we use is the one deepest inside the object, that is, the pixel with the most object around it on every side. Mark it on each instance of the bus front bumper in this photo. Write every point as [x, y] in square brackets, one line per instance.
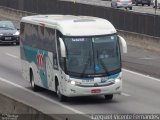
[73, 90]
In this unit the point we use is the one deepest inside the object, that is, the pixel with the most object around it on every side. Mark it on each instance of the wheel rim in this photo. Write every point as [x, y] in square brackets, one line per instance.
[32, 84]
[58, 91]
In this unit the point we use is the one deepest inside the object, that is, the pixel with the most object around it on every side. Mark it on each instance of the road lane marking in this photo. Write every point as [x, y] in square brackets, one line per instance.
[125, 94]
[147, 76]
[153, 78]
[149, 58]
[146, 58]
[48, 99]
[14, 56]
[45, 98]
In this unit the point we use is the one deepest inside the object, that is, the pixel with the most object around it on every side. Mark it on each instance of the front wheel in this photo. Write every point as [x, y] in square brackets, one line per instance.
[108, 97]
[17, 43]
[61, 97]
[130, 8]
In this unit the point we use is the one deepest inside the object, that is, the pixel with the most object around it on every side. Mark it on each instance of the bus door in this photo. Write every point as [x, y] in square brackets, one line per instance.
[61, 59]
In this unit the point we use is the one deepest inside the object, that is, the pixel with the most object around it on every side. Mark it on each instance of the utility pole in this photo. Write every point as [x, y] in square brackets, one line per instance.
[155, 6]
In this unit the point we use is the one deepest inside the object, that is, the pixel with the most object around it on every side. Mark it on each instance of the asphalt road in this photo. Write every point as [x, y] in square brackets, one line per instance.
[106, 3]
[143, 61]
[140, 92]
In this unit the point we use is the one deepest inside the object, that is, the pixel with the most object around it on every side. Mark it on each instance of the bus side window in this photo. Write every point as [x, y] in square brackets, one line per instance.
[55, 62]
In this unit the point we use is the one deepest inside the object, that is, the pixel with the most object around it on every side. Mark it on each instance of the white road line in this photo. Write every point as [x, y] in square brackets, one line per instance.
[153, 78]
[125, 94]
[14, 56]
[146, 58]
[48, 99]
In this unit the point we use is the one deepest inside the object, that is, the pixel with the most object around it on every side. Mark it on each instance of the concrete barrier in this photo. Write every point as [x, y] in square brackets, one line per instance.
[11, 109]
[13, 13]
[141, 41]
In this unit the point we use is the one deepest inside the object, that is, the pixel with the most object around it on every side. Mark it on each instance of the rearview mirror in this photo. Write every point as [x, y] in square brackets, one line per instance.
[62, 48]
[123, 44]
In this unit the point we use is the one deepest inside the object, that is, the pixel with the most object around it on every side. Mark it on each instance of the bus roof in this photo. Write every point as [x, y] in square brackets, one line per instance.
[71, 25]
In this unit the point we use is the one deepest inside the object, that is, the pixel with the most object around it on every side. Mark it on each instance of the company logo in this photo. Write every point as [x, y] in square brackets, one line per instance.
[97, 67]
[104, 79]
[40, 60]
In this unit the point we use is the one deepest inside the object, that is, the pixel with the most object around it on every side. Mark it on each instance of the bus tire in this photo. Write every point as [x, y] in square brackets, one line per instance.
[61, 97]
[130, 8]
[108, 97]
[17, 43]
[33, 86]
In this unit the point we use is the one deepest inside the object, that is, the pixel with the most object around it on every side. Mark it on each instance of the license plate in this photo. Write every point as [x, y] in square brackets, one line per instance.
[97, 80]
[96, 91]
[8, 38]
[88, 81]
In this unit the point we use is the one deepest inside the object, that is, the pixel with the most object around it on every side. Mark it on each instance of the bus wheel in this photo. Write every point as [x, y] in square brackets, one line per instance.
[33, 86]
[108, 97]
[61, 97]
[17, 43]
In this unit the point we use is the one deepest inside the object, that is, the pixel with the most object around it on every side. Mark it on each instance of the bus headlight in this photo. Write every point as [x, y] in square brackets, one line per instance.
[72, 82]
[117, 80]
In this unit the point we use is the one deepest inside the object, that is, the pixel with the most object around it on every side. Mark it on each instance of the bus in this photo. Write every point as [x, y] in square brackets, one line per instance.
[72, 55]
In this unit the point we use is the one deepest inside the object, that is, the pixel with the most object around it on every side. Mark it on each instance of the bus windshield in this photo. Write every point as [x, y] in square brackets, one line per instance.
[92, 56]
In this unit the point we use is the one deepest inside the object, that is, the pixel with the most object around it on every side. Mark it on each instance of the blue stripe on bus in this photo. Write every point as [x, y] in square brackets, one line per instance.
[113, 76]
[31, 57]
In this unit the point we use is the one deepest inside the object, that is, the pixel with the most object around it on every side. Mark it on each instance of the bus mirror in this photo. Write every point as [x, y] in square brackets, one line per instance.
[62, 48]
[123, 44]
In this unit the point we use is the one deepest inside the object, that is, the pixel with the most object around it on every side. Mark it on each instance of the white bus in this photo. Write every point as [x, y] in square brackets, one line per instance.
[71, 55]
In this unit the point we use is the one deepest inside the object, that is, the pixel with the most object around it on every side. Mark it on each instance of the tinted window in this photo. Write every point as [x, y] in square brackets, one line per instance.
[38, 37]
[7, 25]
